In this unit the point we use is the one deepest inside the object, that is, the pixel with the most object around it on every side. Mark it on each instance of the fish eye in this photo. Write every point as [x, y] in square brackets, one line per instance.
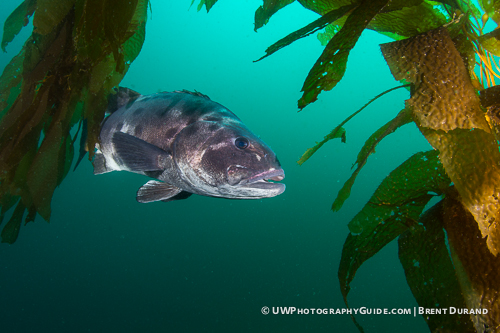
[241, 143]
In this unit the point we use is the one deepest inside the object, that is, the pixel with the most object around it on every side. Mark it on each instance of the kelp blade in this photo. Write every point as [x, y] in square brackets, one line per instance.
[448, 113]
[268, 9]
[368, 148]
[331, 65]
[337, 133]
[318, 24]
[403, 191]
[208, 4]
[430, 272]
[18, 19]
[477, 269]
[79, 51]
[395, 206]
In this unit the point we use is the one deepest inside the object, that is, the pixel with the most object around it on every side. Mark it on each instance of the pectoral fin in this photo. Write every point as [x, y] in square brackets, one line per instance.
[139, 155]
[154, 190]
[99, 164]
[181, 196]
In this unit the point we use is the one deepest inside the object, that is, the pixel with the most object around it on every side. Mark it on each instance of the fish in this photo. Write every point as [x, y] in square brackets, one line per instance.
[188, 144]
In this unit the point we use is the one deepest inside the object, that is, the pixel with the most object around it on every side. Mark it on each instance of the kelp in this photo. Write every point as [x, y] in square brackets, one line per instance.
[397, 19]
[208, 4]
[391, 210]
[430, 273]
[447, 110]
[490, 99]
[268, 9]
[477, 269]
[403, 194]
[16, 21]
[491, 8]
[331, 65]
[339, 131]
[403, 118]
[450, 252]
[78, 51]
[311, 28]
[448, 113]
[409, 20]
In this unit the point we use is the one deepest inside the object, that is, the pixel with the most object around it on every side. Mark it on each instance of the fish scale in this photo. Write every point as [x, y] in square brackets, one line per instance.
[189, 144]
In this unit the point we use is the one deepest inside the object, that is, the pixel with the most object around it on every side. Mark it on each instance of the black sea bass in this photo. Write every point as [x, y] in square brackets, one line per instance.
[188, 142]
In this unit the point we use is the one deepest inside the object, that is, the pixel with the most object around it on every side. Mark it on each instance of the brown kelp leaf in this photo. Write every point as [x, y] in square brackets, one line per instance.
[472, 161]
[102, 72]
[330, 31]
[466, 49]
[408, 21]
[11, 78]
[478, 270]
[491, 44]
[403, 118]
[133, 45]
[397, 20]
[490, 100]
[394, 207]
[27, 116]
[11, 230]
[208, 4]
[94, 40]
[65, 159]
[7, 202]
[490, 96]
[49, 14]
[268, 9]
[324, 6]
[430, 273]
[359, 248]
[102, 27]
[492, 8]
[339, 131]
[449, 114]
[119, 15]
[43, 175]
[331, 65]
[440, 84]
[97, 101]
[311, 28]
[403, 193]
[18, 19]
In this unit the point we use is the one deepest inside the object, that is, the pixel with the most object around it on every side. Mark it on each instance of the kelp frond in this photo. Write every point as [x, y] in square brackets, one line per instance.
[438, 47]
[339, 131]
[78, 51]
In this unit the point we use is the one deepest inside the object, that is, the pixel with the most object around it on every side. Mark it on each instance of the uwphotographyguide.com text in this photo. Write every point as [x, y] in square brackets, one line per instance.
[291, 310]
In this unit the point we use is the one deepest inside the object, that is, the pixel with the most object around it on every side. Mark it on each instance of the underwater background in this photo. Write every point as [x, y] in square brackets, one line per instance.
[106, 263]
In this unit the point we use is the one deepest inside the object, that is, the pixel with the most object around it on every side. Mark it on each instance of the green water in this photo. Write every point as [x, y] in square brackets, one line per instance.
[106, 263]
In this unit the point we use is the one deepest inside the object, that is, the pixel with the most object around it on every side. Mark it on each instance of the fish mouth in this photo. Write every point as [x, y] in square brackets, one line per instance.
[264, 180]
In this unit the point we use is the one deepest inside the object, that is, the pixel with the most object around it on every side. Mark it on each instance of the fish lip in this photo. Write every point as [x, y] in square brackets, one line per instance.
[276, 175]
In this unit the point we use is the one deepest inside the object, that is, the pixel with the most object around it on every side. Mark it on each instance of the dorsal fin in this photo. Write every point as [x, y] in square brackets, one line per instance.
[195, 93]
[122, 97]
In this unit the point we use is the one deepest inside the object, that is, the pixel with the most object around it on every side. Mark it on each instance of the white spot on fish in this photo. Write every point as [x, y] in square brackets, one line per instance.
[238, 166]
[175, 112]
[220, 145]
